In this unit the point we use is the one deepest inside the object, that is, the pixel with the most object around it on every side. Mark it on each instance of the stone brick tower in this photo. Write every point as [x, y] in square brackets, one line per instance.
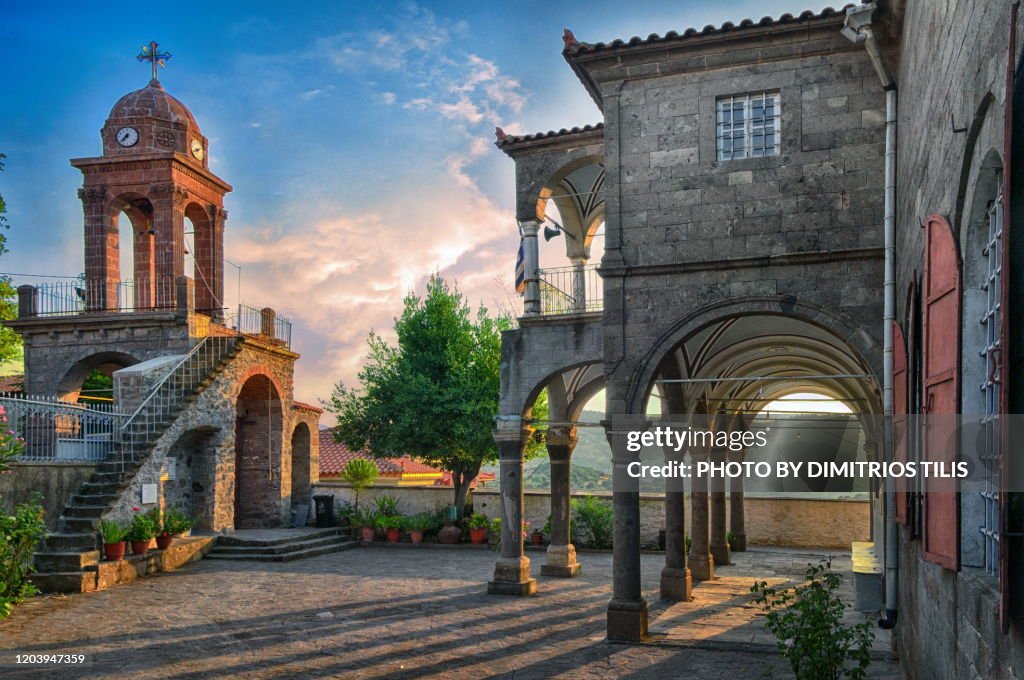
[155, 169]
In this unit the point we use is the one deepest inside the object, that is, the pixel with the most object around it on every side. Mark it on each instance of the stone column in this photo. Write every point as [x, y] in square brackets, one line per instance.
[702, 564]
[169, 249]
[719, 530]
[579, 284]
[676, 580]
[737, 520]
[102, 261]
[561, 555]
[627, 611]
[531, 261]
[512, 569]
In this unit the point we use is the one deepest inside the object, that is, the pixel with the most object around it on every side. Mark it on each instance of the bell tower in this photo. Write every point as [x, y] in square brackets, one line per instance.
[154, 168]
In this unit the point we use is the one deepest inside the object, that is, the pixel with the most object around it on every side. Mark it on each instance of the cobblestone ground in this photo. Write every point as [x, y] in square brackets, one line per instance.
[368, 613]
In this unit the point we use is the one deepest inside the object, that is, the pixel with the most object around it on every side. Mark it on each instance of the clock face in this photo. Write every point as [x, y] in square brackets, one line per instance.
[127, 136]
[197, 149]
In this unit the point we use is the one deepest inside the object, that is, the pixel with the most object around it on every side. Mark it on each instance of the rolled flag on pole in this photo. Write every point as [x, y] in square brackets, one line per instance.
[521, 268]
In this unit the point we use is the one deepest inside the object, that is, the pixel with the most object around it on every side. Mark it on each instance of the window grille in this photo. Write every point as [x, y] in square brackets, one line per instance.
[748, 126]
[990, 386]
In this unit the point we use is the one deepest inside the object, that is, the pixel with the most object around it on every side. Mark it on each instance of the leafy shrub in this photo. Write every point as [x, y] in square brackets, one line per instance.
[421, 521]
[11, 445]
[386, 522]
[478, 520]
[112, 532]
[808, 628]
[19, 534]
[593, 522]
[177, 522]
[386, 505]
[142, 528]
[366, 517]
[360, 474]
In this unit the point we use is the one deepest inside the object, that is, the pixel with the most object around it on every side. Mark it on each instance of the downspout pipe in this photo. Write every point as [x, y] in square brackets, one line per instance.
[857, 28]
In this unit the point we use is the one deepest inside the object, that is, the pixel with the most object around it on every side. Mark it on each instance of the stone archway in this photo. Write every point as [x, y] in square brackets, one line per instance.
[70, 385]
[301, 451]
[258, 446]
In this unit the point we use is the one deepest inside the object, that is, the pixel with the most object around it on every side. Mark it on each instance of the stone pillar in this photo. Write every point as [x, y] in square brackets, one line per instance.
[627, 611]
[169, 248]
[702, 564]
[579, 284]
[737, 520]
[561, 555]
[719, 529]
[209, 246]
[28, 301]
[531, 261]
[512, 569]
[102, 259]
[676, 580]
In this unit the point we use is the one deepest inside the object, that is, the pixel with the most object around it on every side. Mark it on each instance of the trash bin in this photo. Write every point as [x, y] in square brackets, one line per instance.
[325, 511]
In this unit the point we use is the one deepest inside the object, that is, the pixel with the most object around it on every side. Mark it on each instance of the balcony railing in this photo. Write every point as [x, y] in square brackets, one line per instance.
[263, 323]
[570, 290]
[65, 298]
[54, 430]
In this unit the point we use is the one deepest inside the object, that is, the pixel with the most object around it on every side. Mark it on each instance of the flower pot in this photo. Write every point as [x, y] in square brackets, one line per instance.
[536, 538]
[450, 535]
[367, 533]
[416, 536]
[477, 535]
[393, 535]
[140, 547]
[163, 541]
[114, 552]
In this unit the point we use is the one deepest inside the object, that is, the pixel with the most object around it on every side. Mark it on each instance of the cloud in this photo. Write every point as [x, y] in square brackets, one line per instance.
[387, 98]
[463, 109]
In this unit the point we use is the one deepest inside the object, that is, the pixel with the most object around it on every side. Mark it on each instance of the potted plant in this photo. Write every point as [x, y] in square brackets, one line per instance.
[417, 524]
[113, 540]
[360, 474]
[478, 524]
[537, 537]
[391, 525]
[365, 519]
[140, 533]
[450, 534]
[175, 523]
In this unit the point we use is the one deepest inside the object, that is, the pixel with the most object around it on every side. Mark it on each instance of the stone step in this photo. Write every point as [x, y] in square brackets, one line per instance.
[99, 499]
[79, 525]
[92, 511]
[57, 562]
[97, 489]
[244, 539]
[65, 582]
[299, 554]
[57, 542]
[278, 548]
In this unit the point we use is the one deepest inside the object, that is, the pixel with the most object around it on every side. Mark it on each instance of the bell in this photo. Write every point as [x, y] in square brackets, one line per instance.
[551, 232]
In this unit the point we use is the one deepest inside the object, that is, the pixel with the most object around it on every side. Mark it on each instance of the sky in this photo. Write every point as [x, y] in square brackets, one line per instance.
[358, 138]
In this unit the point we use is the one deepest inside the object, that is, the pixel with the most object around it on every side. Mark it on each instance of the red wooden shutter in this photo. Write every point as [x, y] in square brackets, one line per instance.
[941, 372]
[899, 414]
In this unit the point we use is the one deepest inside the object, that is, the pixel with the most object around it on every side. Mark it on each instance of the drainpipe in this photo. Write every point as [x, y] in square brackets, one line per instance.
[857, 28]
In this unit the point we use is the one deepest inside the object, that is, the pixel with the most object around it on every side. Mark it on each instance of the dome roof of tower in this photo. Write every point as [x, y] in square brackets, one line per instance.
[153, 102]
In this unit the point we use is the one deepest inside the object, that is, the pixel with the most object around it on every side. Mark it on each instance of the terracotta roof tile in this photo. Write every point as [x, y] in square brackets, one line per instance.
[334, 456]
[303, 406]
[502, 139]
[12, 383]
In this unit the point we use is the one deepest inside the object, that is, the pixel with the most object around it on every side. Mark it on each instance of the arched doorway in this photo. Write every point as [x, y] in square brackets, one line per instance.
[100, 367]
[300, 465]
[258, 439]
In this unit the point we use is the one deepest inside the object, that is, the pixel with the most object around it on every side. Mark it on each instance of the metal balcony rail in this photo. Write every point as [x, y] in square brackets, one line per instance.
[77, 296]
[57, 431]
[570, 290]
[263, 323]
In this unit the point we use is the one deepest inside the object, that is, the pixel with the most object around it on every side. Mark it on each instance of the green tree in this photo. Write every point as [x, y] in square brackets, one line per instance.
[434, 395]
[360, 474]
[10, 342]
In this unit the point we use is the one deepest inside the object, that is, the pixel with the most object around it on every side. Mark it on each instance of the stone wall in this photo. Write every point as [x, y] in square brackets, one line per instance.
[56, 482]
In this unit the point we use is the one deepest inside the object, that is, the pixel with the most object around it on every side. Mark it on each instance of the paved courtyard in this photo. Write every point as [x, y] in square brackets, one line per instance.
[385, 613]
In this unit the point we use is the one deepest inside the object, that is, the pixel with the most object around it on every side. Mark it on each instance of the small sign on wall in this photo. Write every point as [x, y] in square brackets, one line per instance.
[149, 494]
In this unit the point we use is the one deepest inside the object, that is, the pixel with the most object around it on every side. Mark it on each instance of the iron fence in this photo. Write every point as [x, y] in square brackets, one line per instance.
[64, 298]
[263, 323]
[54, 430]
[570, 290]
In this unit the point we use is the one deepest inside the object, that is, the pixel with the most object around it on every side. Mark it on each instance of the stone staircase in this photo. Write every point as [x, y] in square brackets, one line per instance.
[281, 545]
[67, 560]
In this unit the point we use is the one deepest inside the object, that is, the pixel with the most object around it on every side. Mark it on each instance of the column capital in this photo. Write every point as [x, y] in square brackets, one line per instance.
[561, 436]
[530, 228]
[511, 429]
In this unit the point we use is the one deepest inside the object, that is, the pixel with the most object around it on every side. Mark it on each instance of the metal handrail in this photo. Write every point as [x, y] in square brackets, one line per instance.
[160, 383]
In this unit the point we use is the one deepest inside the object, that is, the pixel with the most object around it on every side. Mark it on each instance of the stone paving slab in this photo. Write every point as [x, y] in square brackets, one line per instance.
[366, 613]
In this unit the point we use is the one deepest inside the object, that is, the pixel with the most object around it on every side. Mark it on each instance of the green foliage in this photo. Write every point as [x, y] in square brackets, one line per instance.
[19, 534]
[386, 522]
[386, 505]
[112, 532]
[11, 445]
[593, 522]
[421, 521]
[730, 538]
[97, 385]
[478, 520]
[360, 474]
[142, 528]
[808, 628]
[434, 394]
[367, 517]
[10, 342]
[177, 522]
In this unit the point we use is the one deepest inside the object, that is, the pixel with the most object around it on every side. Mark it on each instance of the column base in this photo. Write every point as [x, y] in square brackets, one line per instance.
[676, 584]
[627, 620]
[740, 541]
[702, 567]
[512, 577]
[561, 562]
[721, 554]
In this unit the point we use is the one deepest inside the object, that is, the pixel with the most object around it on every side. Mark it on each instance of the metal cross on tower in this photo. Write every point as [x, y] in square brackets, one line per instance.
[154, 56]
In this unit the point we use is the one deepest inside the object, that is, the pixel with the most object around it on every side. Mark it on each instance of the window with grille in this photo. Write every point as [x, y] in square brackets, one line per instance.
[748, 126]
[990, 384]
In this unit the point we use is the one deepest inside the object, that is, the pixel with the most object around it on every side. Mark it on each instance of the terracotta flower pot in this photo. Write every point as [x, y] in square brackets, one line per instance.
[450, 535]
[416, 536]
[536, 538]
[477, 535]
[367, 533]
[140, 547]
[163, 541]
[114, 552]
[393, 535]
